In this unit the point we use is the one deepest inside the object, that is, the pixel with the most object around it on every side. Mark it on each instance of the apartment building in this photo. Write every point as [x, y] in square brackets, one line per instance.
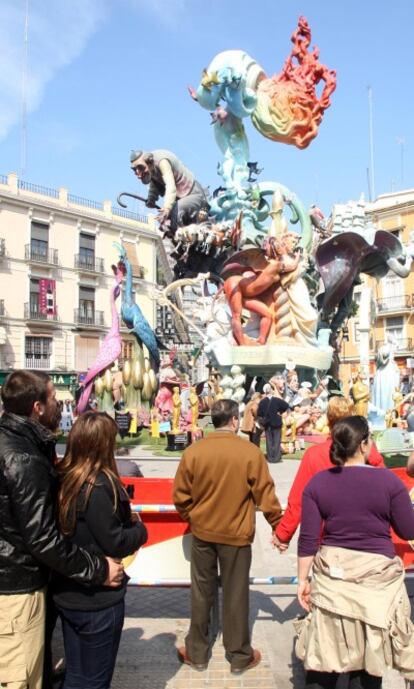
[56, 252]
[392, 296]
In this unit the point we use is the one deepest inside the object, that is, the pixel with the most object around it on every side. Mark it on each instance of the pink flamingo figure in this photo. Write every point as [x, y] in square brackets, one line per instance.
[110, 348]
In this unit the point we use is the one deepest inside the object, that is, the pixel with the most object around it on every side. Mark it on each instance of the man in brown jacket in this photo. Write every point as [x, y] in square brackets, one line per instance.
[219, 483]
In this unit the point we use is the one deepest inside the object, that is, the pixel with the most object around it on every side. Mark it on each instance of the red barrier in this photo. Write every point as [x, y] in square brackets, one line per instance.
[405, 549]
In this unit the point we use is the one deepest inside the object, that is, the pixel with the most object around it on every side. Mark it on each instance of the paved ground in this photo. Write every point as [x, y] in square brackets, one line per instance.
[157, 620]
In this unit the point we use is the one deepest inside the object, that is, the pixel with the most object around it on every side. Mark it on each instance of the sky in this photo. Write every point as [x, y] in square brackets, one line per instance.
[106, 76]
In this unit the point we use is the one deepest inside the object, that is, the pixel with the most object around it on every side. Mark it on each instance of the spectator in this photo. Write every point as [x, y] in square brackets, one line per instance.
[315, 459]
[30, 544]
[249, 424]
[219, 483]
[126, 466]
[360, 621]
[269, 412]
[93, 509]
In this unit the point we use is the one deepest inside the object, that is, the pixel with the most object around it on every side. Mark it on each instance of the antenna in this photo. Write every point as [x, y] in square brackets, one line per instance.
[401, 143]
[23, 133]
[371, 144]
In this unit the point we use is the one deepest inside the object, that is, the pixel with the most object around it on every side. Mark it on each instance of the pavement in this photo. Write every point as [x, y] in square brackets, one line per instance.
[157, 619]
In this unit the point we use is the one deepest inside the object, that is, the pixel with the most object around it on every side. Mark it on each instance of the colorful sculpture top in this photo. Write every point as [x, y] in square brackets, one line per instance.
[110, 348]
[168, 177]
[283, 108]
[132, 314]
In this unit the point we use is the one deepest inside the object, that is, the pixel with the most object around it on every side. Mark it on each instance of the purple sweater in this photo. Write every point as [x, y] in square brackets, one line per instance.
[355, 506]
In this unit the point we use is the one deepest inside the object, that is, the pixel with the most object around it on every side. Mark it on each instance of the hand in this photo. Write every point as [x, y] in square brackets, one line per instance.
[276, 543]
[150, 203]
[135, 517]
[115, 572]
[304, 594]
[162, 216]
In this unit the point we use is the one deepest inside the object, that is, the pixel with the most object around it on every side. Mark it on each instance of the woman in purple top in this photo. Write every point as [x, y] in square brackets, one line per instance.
[357, 591]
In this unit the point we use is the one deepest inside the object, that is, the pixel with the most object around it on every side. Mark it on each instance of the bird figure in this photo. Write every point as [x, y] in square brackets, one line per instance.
[110, 348]
[132, 315]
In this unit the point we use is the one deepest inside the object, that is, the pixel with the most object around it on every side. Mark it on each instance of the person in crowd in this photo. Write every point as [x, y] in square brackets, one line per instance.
[30, 543]
[126, 466]
[360, 612]
[219, 483]
[249, 425]
[93, 509]
[269, 416]
[315, 459]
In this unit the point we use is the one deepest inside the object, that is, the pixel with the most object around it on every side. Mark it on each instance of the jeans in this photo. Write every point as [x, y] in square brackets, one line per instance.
[91, 641]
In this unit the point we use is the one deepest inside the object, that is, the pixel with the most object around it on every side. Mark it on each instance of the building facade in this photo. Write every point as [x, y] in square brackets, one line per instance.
[56, 252]
[392, 296]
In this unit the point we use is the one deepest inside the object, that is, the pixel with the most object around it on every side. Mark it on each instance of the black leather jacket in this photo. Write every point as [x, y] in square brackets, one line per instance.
[30, 543]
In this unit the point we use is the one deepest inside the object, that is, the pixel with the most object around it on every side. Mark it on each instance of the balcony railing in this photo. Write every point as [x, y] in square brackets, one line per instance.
[2, 248]
[398, 302]
[403, 344]
[2, 313]
[88, 203]
[48, 257]
[93, 265]
[92, 320]
[32, 313]
[37, 362]
[38, 189]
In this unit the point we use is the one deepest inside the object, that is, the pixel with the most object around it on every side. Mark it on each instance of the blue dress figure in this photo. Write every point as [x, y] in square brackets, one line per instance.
[386, 379]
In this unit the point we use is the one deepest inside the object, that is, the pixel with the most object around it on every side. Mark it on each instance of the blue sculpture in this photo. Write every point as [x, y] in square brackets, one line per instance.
[132, 315]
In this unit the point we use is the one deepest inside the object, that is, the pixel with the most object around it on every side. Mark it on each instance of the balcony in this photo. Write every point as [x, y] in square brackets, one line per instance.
[34, 362]
[88, 264]
[395, 304]
[89, 319]
[32, 313]
[47, 257]
[403, 344]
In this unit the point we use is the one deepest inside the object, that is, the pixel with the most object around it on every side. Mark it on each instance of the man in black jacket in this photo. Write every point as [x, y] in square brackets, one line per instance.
[270, 409]
[30, 543]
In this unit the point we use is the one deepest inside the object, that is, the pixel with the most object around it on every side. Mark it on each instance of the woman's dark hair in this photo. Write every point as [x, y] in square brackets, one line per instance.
[347, 435]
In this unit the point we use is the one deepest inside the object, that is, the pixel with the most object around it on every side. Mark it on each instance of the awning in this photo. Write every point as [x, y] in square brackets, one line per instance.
[63, 395]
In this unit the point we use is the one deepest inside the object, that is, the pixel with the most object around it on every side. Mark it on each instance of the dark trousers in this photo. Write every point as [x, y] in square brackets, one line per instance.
[273, 444]
[254, 436]
[358, 679]
[50, 624]
[234, 564]
[91, 641]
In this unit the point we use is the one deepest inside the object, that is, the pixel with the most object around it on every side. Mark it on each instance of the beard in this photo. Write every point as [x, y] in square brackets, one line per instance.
[146, 178]
[51, 418]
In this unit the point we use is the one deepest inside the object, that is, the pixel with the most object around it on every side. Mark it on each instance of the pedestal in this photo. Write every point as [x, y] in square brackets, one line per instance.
[176, 442]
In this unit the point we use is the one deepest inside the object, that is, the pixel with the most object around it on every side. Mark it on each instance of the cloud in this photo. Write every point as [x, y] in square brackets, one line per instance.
[58, 31]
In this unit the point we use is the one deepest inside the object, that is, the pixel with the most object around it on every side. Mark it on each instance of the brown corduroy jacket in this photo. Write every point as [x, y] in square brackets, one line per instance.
[219, 483]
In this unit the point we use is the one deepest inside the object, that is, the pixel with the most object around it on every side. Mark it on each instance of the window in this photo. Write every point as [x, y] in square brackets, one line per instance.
[87, 251]
[34, 297]
[127, 349]
[86, 305]
[86, 351]
[395, 328]
[39, 240]
[37, 352]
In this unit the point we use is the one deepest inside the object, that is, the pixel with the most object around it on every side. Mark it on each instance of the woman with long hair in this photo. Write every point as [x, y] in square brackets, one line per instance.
[359, 612]
[93, 511]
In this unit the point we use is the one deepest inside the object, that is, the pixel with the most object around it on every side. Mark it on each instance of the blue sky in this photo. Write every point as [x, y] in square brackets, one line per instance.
[105, 76]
